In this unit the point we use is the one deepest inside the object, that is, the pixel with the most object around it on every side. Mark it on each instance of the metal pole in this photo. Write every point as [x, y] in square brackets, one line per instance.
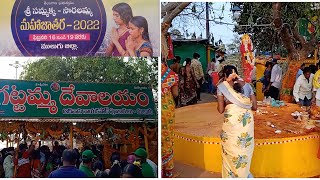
[207, 31]
[207, 20]
[16, 72]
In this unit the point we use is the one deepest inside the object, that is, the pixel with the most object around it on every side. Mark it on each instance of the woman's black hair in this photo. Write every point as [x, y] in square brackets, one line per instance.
[36, 154]
[97, 165]
[188, 60]
[227, 70]
[177, 59]
[132, 170]
[124, 11]
[141, 22]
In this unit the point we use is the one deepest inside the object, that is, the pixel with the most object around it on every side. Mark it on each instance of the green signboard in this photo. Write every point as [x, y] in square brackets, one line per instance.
[34, 99]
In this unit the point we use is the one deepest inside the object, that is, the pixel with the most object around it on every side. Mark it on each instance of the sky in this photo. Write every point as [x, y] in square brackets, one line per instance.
[225, 32]
[219, 31]
[9, 72]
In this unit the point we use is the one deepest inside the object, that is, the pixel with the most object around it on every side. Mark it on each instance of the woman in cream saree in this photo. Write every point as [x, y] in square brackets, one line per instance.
[237, 136]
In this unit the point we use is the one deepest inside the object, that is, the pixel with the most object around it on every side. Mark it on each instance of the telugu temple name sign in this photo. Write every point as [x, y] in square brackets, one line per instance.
[33, 99]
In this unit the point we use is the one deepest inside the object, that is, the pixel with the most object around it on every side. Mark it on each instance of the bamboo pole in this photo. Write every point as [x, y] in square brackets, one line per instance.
[146, 138]
[71, 135]
[16, 157]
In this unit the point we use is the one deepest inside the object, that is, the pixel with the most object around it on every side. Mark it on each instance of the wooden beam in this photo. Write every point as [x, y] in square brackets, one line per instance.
[71, 135]
[146, 138]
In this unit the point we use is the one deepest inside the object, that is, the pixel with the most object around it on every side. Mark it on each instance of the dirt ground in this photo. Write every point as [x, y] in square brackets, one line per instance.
[203, 119]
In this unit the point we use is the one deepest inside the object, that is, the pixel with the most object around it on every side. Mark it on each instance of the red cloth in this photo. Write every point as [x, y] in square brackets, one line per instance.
[215, 78]
[36, 165]
[24, 171]
[170, 48]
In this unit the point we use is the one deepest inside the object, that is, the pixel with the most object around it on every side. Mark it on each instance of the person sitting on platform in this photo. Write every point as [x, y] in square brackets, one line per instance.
[302, 90]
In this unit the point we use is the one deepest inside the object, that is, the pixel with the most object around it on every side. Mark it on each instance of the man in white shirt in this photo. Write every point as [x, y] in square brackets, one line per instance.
[302, 90]
[8, 164]
[275, 81]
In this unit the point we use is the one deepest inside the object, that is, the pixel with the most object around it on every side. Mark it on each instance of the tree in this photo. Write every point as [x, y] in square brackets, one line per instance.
[184, 15]
[283, 32]
[168, 12]
[93, 69]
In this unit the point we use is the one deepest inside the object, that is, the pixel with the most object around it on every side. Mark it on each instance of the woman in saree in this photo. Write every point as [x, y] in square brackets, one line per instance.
[122, 14]
[237, 136]
[188, 84]
[169, 90]
[138, 43]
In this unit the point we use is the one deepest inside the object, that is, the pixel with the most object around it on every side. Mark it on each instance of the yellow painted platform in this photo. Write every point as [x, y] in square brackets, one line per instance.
[284, 157]
[293, 157]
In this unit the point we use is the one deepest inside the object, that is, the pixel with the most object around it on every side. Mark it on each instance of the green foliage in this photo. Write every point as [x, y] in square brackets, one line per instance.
[94, 69]
[266, 38]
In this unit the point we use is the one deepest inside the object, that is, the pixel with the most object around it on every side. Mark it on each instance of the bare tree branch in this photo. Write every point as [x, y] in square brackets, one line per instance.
[283, 30]
[298, 37]
[171, 13]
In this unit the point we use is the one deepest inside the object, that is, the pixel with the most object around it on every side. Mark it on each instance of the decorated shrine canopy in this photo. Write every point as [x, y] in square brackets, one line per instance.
[38, 99]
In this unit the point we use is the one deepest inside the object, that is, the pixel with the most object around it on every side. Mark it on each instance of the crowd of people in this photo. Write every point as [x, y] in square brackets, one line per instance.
[272, 79]
[236, 100]
[192, 77]
[61, 162]
[304, 91]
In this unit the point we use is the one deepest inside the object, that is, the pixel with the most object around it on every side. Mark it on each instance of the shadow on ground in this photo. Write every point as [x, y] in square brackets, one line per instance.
[187, 171]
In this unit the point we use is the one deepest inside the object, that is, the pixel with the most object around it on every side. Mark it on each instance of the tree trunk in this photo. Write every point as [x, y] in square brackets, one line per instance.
[169, 13]
[283, 30]
[296, 55]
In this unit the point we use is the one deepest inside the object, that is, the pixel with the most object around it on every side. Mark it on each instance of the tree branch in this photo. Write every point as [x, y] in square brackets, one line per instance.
[282, 30]
[298, 37]
[167, 19]
[171, 15]
[168, 8]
